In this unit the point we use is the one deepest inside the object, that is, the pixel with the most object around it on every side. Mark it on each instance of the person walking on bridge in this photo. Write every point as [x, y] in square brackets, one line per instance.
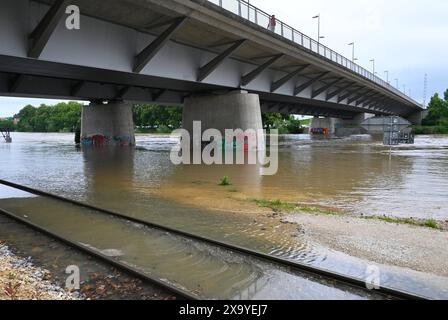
[272, 23]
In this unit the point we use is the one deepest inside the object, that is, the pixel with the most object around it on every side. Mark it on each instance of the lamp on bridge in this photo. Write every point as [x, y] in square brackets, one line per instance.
[353, 51]
[319, 37]
[373, 62]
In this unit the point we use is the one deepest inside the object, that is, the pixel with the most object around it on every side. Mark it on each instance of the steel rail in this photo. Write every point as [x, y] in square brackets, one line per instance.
[344, 279]
[101, 257]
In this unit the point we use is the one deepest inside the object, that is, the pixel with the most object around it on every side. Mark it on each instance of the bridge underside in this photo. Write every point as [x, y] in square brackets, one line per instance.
[164, 51]
[43, 79]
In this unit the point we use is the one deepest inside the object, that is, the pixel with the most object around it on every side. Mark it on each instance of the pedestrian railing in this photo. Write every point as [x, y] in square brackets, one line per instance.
[249, 12]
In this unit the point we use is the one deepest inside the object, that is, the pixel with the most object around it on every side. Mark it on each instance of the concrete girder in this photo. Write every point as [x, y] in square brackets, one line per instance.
[349, 94]
[42, 33]
[75, 89]
[325, 88]
[309, 83]
[16, 82]
[372, 99]
[340, 90]
[122, 92]
[158, 94]
[279, 83]
[206, 70]
[359, 95]
[146, 55]
[367, 97]
[251, 76]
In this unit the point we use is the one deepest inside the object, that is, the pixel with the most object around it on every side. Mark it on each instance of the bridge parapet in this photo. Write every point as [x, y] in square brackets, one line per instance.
[261, 18]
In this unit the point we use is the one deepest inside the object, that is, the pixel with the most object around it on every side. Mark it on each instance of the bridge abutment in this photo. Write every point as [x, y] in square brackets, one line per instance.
[234, 110]
[108, 124]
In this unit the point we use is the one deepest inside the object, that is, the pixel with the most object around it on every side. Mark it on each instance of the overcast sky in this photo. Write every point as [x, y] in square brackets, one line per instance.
[408, 38]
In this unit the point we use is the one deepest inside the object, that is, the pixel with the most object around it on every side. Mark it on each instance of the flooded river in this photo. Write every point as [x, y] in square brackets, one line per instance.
[356, 175]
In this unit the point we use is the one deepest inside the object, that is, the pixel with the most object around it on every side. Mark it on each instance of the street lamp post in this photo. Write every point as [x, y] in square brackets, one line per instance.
[319, 37]
[387, 75]
[373, 62]
[397, 83]
[353, 51]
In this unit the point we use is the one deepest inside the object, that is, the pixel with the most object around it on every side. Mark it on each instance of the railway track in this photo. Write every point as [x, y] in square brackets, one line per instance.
[341, 279]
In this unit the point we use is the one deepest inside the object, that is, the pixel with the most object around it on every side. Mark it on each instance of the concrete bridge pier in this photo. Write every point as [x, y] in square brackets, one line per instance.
[107, 124]
[341, 126]
[234, 110]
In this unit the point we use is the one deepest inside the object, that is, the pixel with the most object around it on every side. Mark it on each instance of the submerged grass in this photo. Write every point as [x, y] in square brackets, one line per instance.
[287, 207]
[225, 181]
[430, 223]
[279, 206]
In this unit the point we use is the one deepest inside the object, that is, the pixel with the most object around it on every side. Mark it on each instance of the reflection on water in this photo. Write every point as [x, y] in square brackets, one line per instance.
[356, 174]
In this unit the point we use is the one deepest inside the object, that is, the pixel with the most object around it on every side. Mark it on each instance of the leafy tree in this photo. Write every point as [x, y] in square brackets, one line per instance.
[63, 117]
[160, 118]
[438, 111]
[7, 124]
[284, 123]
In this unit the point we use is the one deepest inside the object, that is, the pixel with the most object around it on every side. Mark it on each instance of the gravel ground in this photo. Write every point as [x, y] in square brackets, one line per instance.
[21, 280]
[419, 248]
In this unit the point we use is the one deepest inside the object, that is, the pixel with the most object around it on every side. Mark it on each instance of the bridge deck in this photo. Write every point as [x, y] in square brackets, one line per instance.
[142, 51]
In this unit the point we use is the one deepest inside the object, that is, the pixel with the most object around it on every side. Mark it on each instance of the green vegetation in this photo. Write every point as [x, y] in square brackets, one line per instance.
[409, 221]
[279, 206]
[286, 124]
[63, 117]
[286, 207]
[225, 181]
[428, 130]
[7, 124]
[437, 120]
[66, 117]
[157, 119]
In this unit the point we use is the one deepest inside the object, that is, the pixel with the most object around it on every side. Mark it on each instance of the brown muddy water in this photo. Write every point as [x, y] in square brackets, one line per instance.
[356, 175]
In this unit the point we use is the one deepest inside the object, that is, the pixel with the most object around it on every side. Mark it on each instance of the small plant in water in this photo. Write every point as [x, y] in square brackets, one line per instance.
[225, 181]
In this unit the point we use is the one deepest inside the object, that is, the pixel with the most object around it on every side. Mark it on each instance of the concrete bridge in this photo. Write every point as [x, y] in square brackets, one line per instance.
[216, 58]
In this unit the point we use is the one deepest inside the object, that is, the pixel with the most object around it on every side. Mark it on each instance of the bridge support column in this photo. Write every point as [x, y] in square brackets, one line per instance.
[108, 124]
[324, 125]
[340, 126]
[417, 118]
[235, 110]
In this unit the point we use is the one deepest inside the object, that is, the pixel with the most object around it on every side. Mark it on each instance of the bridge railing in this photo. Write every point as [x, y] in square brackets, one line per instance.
[262, 18]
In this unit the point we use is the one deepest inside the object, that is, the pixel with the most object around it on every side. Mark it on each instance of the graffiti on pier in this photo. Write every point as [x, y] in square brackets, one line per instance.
[102, 141]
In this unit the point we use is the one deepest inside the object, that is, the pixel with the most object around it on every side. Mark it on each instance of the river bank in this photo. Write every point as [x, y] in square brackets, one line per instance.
[410, 243]
[415, 247]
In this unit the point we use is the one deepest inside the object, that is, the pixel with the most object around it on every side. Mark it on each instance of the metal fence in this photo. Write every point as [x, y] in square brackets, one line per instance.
[248, 11]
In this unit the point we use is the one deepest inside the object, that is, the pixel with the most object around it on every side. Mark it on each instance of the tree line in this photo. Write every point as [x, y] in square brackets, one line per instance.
[437, 120]
[66, 117]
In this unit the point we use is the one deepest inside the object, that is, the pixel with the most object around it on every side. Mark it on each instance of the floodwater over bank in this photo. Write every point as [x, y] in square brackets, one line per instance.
[356, 175]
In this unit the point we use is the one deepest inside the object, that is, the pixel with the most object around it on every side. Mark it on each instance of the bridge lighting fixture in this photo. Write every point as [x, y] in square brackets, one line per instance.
[353, 51]
[319, 37]
[373, 62]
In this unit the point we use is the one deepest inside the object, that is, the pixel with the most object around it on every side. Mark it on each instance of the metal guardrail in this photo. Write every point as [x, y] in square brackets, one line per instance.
[253, 14]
